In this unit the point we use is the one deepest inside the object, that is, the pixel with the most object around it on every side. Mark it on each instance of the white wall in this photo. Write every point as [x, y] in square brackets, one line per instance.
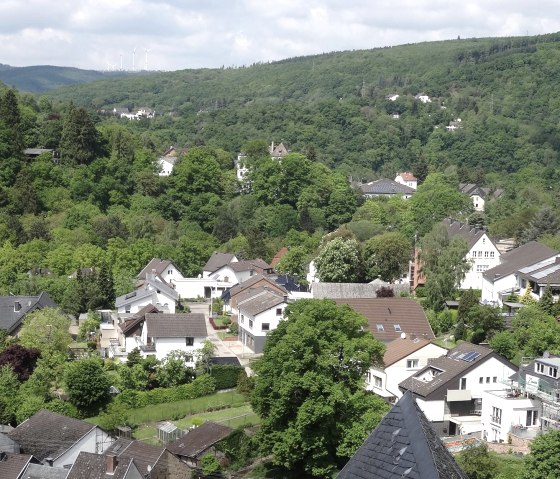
[95, 441]
[487, 256]
[165, 167]
[434, 410]
[256, 330]
[195, 287]
[165, 345]
[136, 306]
[491, 290]
[487, 370]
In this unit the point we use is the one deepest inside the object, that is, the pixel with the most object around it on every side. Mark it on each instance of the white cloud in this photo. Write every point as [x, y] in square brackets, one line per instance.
[191, 33]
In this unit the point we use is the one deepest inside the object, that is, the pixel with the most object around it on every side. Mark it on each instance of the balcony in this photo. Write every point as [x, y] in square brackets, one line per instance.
[525, 432]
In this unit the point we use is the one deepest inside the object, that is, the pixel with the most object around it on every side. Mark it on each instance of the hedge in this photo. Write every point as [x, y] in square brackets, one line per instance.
[226, 375]
[201, 386]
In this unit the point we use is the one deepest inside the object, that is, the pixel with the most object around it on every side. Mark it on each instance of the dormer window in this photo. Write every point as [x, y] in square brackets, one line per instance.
[17, 306]
[397, 327]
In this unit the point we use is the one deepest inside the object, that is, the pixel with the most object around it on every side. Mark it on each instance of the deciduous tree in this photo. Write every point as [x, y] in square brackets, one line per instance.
[340, 261]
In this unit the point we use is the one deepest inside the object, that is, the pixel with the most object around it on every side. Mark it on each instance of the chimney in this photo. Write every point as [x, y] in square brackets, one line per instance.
[49, 461]
[110, 463]
[17, 306]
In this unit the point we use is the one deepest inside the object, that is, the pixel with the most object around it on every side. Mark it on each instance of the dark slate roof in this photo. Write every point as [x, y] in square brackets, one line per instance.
[545, 382]
[217, 261]
[388, 318]
[544, 273]
[94, 466]
[12, 465]
[290, 283]
[470, 233]
[472, 189]
[403, 445]
[180, 325]
[38, 471]
[198, 440]
[10, 319]
[385, 186]
[260, 302]
[518, 258]
[143, 454]
[258, 265]
[131, 323]
[450, 368]
[157, 266]
[37, 434]
[226, 360]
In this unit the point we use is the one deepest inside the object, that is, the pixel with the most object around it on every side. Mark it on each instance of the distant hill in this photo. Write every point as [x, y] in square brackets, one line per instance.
[42, 78]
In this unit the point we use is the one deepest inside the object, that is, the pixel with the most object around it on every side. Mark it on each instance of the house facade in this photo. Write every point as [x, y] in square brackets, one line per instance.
[152, 291]
[408, 179]
[479, 195]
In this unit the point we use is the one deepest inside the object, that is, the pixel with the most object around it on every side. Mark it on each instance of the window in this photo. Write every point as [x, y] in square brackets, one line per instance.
[532, 416]
[266, 327]
[251, 273]
[483, 240]
[481, 267]
[242, 319]
[169, 271]
[127, 308]
[380, 327]
[463, 384]
[491, 254]
[368, 377]
[377, 382]
[496, 415]
[189, 341]
[278, 311]
[189, 359]
[495, 379]
[486, 254]
[474, 254]
[480, 380]
[251, 323]
[480, 254]
[411, 363]
[487, 379]
[539, 367]
[397, 327]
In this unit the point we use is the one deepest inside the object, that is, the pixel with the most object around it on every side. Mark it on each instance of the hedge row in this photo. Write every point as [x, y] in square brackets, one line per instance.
[201, 386]
[226, 375]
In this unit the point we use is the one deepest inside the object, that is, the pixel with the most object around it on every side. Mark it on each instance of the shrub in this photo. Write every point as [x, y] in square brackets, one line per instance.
[226, 375]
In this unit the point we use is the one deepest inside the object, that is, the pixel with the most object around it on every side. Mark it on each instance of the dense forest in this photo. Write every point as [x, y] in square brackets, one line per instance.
[102, 204]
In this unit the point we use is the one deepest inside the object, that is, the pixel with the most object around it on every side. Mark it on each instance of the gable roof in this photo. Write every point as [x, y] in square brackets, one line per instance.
[260, 302]
[180, 325]
[252, 281]
[94, 466]
[400, 348]
[218, 260]
[545, 272]
[343, 290]
[198, 440]
[11, 317]
[472, 189]
[407, 176]
[386, 186]
[518, 258]
[35, 435]
[131, 323]
[38, 471]
[147, 288]
[394, 315]
[257, 264]
[290, 283]
[157, 266]
[13, 465]
[470, 233]
[449, 367]
[143, 454]
[403, 445]
[7, 444]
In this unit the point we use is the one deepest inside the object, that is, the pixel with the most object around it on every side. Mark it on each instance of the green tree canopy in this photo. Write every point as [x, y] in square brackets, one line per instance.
[387, 256]
[544, 461]
[309, 387]
[340, 261]
[87, 384]
[46, 330]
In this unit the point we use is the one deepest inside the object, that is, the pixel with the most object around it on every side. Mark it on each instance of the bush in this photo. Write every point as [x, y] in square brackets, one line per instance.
[226, 375]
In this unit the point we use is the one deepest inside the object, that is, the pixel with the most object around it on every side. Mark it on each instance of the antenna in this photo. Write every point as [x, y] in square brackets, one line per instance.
[133, 55]
[146, 65]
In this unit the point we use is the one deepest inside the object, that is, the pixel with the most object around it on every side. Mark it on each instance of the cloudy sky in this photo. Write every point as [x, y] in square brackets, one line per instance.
[99, 34]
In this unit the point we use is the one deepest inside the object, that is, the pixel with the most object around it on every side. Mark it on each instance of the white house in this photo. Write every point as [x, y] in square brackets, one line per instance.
[163, 333]
[454, 125]
[408, 179]
[56, 440]
[502, 280]
[164, 269]
[152, 291]
[167, 161]
[403, 357]
[540, 276]
[449, 390]
[392, 97]
[423, 98]
[259, 314]
[386, 188]
[480, 195]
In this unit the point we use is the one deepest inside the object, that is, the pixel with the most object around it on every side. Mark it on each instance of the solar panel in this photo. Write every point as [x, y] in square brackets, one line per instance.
[471, 356]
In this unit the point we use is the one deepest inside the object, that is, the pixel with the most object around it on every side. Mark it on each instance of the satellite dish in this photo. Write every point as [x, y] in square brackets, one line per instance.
[403, 335]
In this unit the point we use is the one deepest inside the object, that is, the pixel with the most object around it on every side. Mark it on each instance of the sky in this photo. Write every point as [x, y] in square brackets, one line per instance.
[180, 34]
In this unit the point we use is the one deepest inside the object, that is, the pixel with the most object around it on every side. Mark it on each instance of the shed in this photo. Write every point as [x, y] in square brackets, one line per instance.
[168, 432]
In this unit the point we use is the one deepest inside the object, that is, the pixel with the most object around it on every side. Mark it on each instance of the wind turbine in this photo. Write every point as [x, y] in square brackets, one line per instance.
[146, 66]
[133, 55]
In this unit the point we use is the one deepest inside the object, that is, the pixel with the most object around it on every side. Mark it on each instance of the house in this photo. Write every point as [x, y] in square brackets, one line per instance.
[164, 270]
[121, 112]
[454, 125]
[244, 290]
[423, 98]
[145, 112]
[153, 462]
[198, 442]
[37, 434]
[39, 471]
[388, 318]
[240, 271]
[403, 445]
[152, 291]
[385, 188]
[392, 97]
[449, 390]
[217, 261]
[408, 179]
[12, 466]
[14, 309]
[502, 280]
[7, 444]
[480, 195]
[166, 162]
[259, 314]
[403, 357]
[162, 333]
[540, 276]
[98, 466]
[278, 151]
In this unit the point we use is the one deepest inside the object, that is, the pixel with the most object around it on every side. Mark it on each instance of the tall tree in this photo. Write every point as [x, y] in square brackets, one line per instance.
[87, 384]
[10, 115]
[340, 261]
[544, 461]
[387, 256]
[79, 139]
[46, 330]
[309, 387]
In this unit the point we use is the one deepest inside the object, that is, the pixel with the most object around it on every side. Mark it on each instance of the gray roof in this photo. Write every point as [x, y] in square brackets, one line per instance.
[200, 439]
[545, 382]
[38, 471]
[143, 454]
[37, 434]
[258, 265]
[157, 266]
[181, 325]
[11, 317]
[403, 445]
[518, 258]
[7, 444]
[450, 368]
[94, 466]
[262, 301]
[249, 283]
[544, 272]
[385, 186]
[470, 233]
[147, 288]
[218, 260]
[36, 151]
[343, 290]
[134, 296]
[12, 465]
[472, 189]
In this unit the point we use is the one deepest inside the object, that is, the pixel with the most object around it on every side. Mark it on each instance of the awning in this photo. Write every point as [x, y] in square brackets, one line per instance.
[467, 424]
[458, 395]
